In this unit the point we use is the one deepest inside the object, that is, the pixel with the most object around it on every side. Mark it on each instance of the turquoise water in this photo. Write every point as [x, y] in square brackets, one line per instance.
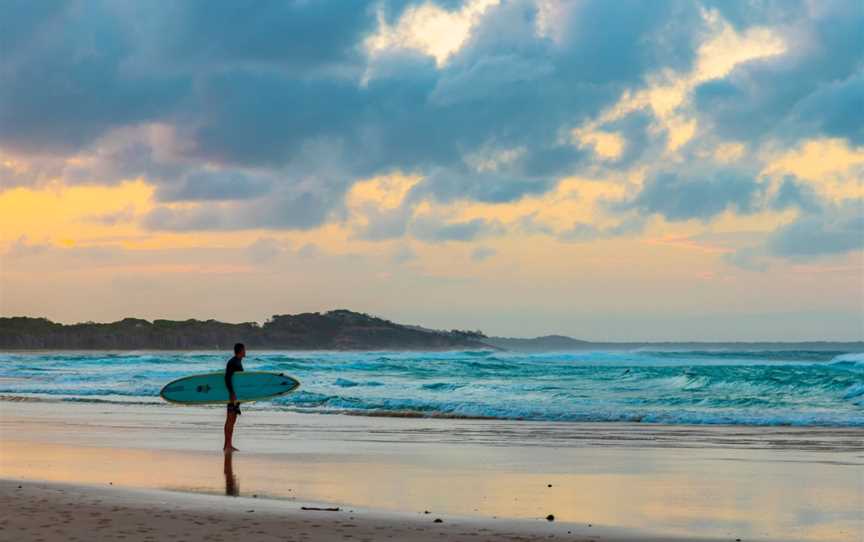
[680, 387]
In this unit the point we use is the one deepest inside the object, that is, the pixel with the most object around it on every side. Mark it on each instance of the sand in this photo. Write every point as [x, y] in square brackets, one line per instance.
[120, 472]
[49, 512]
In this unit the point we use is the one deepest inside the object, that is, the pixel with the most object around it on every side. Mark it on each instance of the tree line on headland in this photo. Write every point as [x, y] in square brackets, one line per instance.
[333, 330]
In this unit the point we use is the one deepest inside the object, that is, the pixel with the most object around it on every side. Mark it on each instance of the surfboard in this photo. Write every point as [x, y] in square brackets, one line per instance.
[210, 388]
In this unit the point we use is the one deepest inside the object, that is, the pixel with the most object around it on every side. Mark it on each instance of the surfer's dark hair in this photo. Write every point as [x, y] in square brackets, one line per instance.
[239, 347]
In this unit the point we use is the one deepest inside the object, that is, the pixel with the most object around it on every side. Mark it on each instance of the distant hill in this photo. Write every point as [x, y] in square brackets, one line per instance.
[334, 330]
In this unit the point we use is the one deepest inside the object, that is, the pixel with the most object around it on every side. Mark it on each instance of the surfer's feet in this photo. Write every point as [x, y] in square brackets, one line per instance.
[230, 449]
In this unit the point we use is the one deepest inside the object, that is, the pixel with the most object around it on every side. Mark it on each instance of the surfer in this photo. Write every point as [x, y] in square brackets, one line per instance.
[234, 364]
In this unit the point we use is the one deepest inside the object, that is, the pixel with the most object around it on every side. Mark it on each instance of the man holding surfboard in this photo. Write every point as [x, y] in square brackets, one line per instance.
[234, 365]
[217, 388]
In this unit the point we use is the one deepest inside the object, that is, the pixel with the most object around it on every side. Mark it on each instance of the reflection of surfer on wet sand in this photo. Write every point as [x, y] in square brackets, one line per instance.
[231, 487]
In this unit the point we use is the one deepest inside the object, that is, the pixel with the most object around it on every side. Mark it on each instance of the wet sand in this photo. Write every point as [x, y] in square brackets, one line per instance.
[127, 464]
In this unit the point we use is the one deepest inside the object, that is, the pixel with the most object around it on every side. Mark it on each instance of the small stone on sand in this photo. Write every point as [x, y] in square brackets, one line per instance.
[550, 517]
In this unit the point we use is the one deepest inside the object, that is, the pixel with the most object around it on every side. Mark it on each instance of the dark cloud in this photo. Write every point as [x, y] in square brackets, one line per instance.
[837, 109]
[292, 210]
[837, 230]
[635, 130]
[67, 84]
[25, 20]
[700, 196]
[219, 185]
[620, 42]
[295, 34]
[813, 88]
[265, 118]
[795, 194]
[449, 184]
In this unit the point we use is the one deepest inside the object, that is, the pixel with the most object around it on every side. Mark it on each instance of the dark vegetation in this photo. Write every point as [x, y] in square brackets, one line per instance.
[334, 330]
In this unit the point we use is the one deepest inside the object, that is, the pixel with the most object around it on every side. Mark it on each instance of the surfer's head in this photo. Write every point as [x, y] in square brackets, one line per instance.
[239, 350]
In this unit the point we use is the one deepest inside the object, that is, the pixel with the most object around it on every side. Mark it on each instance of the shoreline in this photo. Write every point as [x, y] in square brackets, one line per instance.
[631, 480]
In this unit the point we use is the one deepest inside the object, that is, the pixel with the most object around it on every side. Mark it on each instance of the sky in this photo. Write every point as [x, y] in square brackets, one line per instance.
[620, 170]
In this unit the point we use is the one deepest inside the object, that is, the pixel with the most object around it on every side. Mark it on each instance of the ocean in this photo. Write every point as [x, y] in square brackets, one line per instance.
[801, 388]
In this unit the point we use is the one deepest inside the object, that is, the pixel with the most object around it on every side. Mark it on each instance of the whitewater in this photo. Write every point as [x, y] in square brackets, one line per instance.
[806, 388]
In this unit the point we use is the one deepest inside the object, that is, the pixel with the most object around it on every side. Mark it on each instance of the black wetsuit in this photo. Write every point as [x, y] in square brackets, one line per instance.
[234, 365]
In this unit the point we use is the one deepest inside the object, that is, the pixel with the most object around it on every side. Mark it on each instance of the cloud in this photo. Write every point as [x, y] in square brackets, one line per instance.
[265, 250]
[481, 254]
[837, 109]
[384, 224]
[812, 88]
[636, 129]
[748, 258]
[288, 94]
[403, 254]
[296, 35]
[63, 86]
[127, 214]
[581, 231]
[700, 196]
[434, 230]
[268, 126]
[216, 185]
[24, 249]
[446, 185]
[309, 250]
[836, 230]
[795, 194]
[288, 210]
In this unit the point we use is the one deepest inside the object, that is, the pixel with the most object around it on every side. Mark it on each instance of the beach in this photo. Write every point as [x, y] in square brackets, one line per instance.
[134, 466]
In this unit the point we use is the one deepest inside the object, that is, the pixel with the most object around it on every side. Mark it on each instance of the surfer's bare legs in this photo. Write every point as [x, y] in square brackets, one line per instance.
[230, 420]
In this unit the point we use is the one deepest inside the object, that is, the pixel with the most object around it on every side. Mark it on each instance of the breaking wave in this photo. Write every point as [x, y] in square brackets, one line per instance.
[812, 388]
